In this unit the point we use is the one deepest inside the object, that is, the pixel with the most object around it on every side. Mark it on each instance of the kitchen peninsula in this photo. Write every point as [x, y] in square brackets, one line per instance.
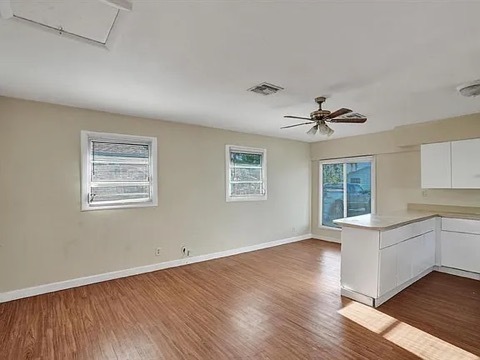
[384, 254]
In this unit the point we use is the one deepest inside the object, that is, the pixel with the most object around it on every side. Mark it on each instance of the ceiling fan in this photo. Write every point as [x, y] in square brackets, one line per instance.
[320, 118]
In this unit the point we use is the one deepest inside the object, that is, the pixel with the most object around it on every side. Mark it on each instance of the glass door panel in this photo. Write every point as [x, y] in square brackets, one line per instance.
[333, 193]
[359, 188]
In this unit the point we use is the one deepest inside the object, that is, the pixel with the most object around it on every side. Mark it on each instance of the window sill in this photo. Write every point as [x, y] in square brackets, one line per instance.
[249, 198]
[87, 207]
[323, 227]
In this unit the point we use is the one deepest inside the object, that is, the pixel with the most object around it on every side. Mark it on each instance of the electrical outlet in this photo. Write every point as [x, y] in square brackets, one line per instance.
[424, 193]
[158, 251]
[185, 251]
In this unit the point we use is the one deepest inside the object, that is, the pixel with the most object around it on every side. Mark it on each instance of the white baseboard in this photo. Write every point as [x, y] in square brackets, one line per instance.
[326, 238]
[457, 272]
[68, 284]
[364, 299]
[379, 301]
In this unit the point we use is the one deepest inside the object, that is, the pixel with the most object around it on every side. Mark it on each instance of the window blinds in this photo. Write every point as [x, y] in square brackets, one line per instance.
[119, 172]
[246, 174]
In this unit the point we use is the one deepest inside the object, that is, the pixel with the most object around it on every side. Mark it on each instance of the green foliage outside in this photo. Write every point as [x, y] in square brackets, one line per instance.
[246, 158]
[333, 174]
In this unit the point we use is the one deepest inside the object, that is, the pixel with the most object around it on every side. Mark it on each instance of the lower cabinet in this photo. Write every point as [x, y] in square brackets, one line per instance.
[460, 251]
[377, 264]
[388, 270]
[405, 260]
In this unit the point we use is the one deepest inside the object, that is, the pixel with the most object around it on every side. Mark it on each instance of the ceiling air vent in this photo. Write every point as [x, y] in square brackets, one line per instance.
[470, 89]
[265, 89]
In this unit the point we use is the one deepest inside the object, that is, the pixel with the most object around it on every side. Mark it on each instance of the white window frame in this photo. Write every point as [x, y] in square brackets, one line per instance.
[244, 149]
[86, 138]
[344, 161]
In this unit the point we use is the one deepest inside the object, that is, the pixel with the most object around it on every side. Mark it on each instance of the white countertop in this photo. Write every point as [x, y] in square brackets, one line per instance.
[395, 219]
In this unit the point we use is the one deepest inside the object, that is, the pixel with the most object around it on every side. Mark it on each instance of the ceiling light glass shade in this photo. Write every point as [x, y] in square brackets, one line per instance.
[313, 130]
[324, 129]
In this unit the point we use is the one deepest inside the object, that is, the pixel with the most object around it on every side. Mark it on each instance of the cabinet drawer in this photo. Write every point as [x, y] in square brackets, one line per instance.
[461, 251]
[461, 225]
[394, 236]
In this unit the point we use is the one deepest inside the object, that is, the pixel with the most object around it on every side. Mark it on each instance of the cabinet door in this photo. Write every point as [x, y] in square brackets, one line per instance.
[388, 270]
[405, 259]
[436, 166]
[430, 248]
[465, 164]
[461, 251]
[418, 254]
[424, 253]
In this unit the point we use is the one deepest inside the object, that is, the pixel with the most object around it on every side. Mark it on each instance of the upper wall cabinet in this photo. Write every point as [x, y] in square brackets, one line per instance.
[436, 166]
[465, 164]
[451, 165]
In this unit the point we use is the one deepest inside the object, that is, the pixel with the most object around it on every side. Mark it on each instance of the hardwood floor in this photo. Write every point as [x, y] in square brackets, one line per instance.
[278, 303]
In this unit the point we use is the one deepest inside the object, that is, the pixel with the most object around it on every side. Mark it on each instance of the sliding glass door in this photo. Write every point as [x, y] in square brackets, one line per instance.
[346, 189]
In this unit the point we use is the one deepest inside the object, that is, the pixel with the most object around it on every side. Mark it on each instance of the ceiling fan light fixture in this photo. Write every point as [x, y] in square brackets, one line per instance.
[313, 130]
[324, 129]
[319, 119]
[470, 89]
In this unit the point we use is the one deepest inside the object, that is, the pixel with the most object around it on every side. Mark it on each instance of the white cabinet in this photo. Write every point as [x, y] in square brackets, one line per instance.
[388, 270]
[460, 244]
[468, 226]
[429, 250]
[405, 260]
[451, 165]
[405, 253]
[391, 237]
[465, 164]
[377, 264]
[436, 166]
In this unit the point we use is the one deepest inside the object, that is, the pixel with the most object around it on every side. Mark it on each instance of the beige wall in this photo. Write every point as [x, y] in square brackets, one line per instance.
[397, 157]
[44, 237]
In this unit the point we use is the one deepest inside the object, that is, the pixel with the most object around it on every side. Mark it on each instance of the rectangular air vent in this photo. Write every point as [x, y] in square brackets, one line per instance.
[265, 89]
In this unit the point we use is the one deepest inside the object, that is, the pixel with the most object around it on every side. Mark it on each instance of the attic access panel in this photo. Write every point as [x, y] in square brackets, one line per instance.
[92, 20]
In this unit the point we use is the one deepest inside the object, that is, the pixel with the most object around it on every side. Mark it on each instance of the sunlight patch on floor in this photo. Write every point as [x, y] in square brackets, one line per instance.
[424, 345]
[414, 340]
[368, 317]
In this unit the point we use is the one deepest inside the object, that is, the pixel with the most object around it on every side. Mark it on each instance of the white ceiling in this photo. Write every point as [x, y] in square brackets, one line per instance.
[398, 62]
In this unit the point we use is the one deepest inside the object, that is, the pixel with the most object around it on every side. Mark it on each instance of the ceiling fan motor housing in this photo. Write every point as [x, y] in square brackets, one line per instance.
[319, 114]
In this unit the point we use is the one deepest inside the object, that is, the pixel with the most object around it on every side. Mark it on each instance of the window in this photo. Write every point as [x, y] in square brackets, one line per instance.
[347, 188]
[246, 173]
[118, 171]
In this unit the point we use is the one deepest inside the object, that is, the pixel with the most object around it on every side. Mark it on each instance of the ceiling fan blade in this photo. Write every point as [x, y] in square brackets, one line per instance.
[296, 117]
[348, 120]
[338, 113]
[290, 126]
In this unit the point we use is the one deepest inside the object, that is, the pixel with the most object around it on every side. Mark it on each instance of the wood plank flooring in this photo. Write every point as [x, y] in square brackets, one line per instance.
[277, 303]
